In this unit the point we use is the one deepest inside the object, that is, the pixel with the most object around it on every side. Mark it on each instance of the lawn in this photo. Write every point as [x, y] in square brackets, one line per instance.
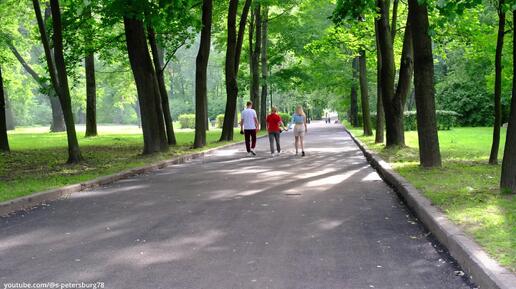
[466, 188]
[37, 160]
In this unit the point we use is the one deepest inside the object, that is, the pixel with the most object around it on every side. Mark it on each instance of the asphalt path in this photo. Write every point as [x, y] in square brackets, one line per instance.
[226, 221]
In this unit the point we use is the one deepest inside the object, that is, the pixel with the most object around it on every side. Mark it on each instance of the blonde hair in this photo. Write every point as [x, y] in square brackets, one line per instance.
[299, 110]
[274, 109]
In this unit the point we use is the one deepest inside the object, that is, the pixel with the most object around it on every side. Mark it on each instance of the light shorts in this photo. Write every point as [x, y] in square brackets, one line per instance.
[299, 130]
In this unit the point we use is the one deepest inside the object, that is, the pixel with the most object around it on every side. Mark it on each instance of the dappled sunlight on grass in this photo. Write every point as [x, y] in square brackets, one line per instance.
[466, 187]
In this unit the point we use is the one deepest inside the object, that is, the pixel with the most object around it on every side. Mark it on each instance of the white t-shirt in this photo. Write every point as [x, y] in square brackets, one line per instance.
[248, 116]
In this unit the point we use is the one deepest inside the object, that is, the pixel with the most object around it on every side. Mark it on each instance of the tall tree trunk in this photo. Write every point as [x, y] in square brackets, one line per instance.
[57, 124]
[201, 71]
[154, 135]
[4, 140]
[241, 33]
[157, 57]
[231, 80]
[364, 94]
[493, 157]
[380, 115]
[265, 65]
[255, 60]
[392, 105]
[406, 67]
[91, 96]
[58, 76]
[508, 178]
[353, 111]
[429, 153]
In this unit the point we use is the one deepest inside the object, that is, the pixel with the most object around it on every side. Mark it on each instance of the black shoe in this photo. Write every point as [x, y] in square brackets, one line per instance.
[302, 154]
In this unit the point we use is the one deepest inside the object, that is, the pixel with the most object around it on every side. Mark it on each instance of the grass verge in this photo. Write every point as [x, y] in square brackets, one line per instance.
[466, 188]
[37, 160]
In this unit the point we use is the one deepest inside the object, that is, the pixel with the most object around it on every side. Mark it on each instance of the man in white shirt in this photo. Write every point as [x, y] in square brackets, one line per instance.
[249, 124]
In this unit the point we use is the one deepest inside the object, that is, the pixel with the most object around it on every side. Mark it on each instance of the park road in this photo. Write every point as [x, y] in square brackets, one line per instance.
[324, 221]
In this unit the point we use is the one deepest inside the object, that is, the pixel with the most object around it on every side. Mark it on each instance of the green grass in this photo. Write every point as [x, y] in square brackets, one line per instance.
[37, 160]
[466, 188]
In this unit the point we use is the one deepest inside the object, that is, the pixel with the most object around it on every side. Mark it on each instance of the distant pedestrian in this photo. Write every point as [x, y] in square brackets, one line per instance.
[274, 126]
[248, 126]
[300, 128]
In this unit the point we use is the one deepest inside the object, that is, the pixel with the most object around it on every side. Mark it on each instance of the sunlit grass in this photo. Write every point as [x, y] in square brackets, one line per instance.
[466, 188]
[37, 160]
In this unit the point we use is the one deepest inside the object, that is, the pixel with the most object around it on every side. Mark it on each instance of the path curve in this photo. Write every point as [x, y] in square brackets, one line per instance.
[228, 221]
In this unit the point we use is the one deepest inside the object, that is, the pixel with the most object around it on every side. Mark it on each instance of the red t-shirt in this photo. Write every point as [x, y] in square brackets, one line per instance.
[273, 120]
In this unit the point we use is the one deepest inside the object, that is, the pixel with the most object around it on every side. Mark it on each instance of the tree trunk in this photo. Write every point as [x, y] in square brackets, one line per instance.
[380, 115]
[255, 60]
[201, 71]
[508, 178]
[231, 80]
[57, 124]
[241, 33]
[493, 157]
[4, 140]
[429, 153]
[392, 105]
[154, 135]
[91, 96]
[264, 64]
[58, 76]
[364, 94]
[157, 57]
[353, 112]
[406, 67]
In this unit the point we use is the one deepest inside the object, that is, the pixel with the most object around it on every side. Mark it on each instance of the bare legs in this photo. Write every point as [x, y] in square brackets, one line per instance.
[299, 141]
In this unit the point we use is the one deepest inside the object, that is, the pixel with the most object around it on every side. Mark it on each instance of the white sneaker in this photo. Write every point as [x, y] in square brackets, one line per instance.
[253, 153]
[273, 155]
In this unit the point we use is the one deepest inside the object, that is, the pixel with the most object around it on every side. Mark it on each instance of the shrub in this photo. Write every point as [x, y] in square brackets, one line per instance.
[446, 119]
[187, 120]
[220, 120]
[285, 117]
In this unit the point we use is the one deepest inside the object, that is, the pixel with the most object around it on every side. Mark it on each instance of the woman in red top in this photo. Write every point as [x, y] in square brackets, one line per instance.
[273, 127]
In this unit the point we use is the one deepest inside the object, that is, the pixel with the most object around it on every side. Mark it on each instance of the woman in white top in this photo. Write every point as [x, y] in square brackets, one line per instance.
[300, 128]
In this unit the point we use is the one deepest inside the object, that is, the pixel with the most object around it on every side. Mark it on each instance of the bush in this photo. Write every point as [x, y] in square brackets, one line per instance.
[187, 120]
[220, 121]
[446, 119]
[285, 117]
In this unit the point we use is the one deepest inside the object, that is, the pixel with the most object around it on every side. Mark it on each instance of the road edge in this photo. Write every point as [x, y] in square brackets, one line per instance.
[485, 271]
[28, 202]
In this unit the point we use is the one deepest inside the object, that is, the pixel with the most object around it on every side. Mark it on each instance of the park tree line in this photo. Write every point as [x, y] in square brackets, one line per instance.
[270, 51]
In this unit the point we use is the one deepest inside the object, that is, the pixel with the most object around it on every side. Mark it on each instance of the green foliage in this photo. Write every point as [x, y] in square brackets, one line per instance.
[285, 117]
[219, 121]
[187, 120]
[446, 120]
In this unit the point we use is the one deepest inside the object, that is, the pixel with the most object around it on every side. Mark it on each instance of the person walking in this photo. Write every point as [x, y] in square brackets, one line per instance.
[274, 126]
[300, 128]
[248, 126]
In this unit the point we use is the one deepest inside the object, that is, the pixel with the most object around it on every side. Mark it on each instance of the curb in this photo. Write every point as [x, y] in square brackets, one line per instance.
[484, 270]
[36, 199]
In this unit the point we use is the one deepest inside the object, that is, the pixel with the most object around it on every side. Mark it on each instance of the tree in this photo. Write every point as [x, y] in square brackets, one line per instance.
[353, 111]
[58, 75]
[91, 96]
[57, 124]
[493, 157]
[157, 58]
[508, 178]
[380, 115]
[203, 55]
[429, 153]
[153, 127]
[255, 48]
[231, 73]
[364, 93]
[4, 141]
[264, 65]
